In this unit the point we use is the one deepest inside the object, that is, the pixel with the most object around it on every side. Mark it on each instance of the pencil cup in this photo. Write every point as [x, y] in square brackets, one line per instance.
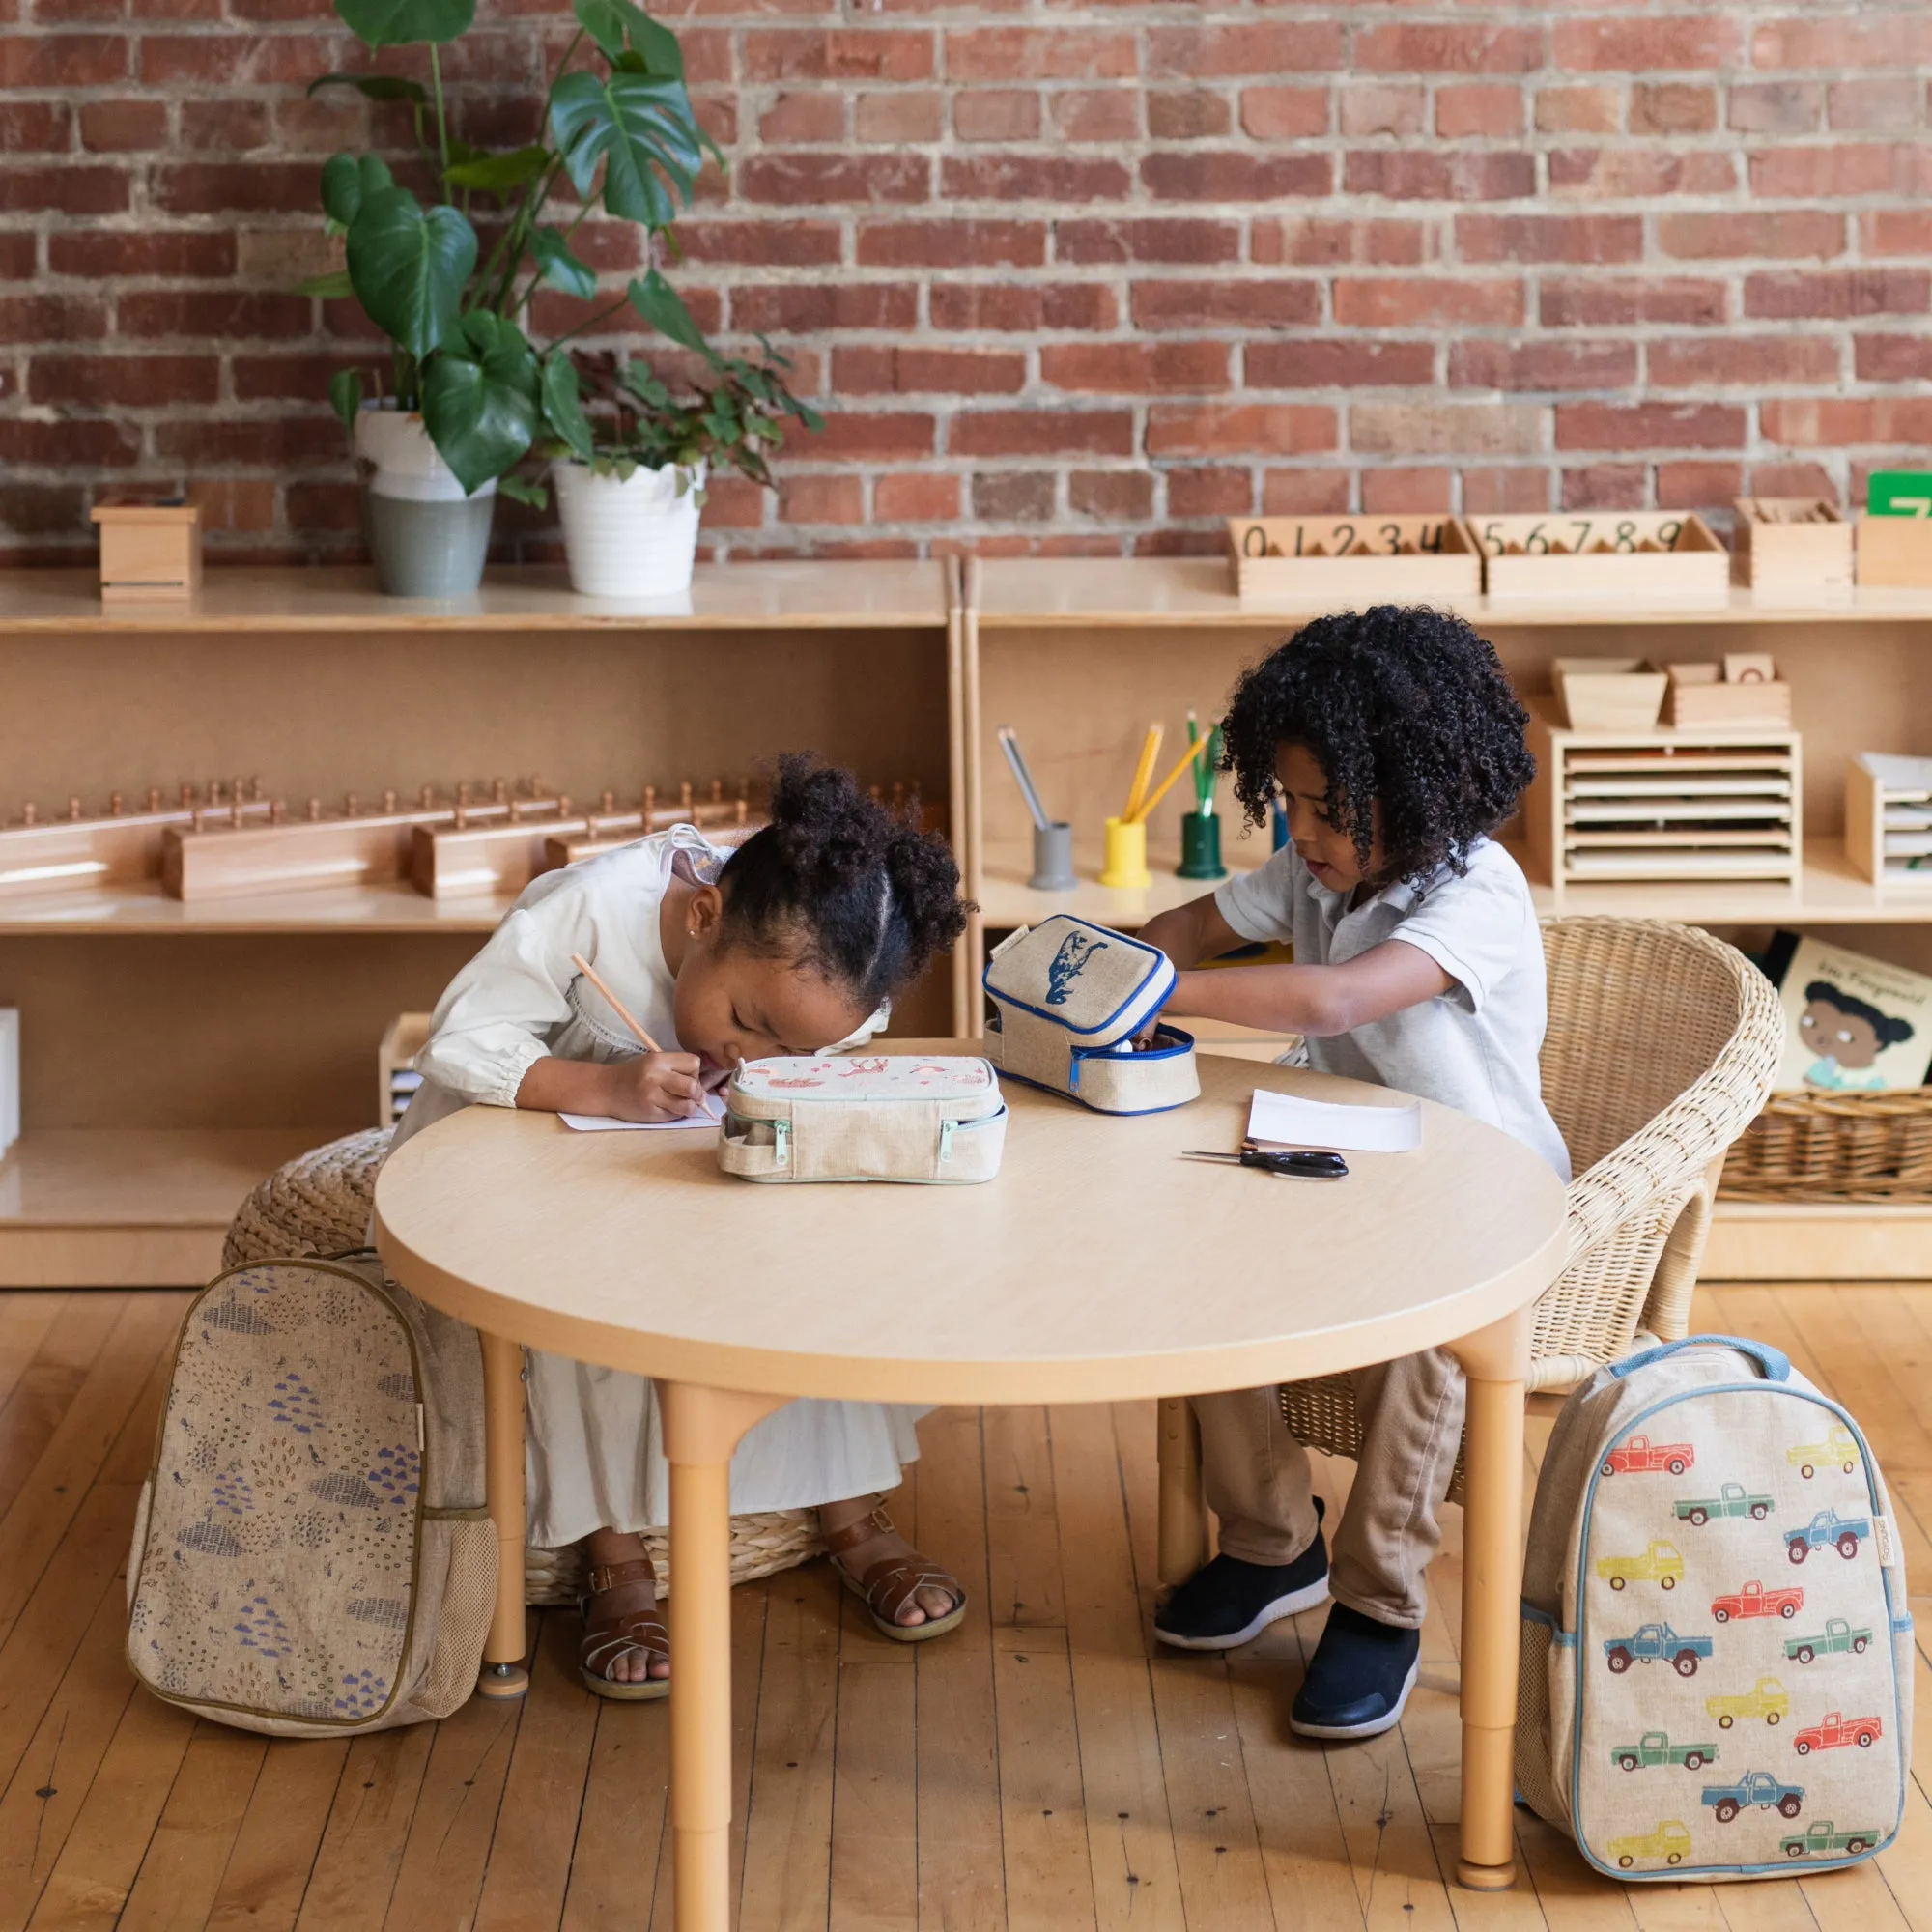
[1127, 868]
[1052, 859]
[1201, 848]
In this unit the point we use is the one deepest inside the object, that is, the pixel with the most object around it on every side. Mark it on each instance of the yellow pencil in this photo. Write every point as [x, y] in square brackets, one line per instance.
[623, 1011]
[1150, 752]
[1161, 790]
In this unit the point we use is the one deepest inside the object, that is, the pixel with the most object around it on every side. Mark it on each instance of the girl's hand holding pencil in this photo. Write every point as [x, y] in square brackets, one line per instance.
[657, 1086]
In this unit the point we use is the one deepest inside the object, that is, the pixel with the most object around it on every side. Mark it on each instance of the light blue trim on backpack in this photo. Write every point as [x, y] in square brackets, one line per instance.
[1777, 1367]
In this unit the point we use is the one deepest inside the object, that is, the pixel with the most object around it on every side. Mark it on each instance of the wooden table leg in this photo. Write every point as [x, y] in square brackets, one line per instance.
[1496, 1362]
[1180, 1523]
[701, 1426]
[503, 1674]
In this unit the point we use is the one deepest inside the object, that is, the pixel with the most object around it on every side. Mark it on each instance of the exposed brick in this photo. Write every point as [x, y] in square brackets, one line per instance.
[1065, 306]
[821, 499]
[800, 180]
[1639, 45]
[1630, 173]
[62, 61]
[1117, 495]
[1649, 426]
[1397, 303]
[1604, 486]
[1896, 101]
[1791, 294]
[1698, 486]
[1446, 429]
[16, 255]
[27, 318]
[766, 243]
[1485, 108]
[1193, 240]
[1210, 493]
[67, 441]
[1311, 492]
[1791, 479]
[1732, 361]
[124, 127]
[1245, 304]
[1672, 107]
[805, 117]
[65, 188]
[228, 126]
[1401, 489]
[1440, 47]
[1549, 238]
[274, 443]
[1319, 242]
[124, 381]
[1096, 114]
[1040, 53]
[1060, 432]
[1774, 107]
[1848, 168]
[861, 371]
[247, 187]
[1232, 174]
[1791, 233]
[320, 508]
[800, 309]
[1323, 363]
[860, 53]
[42, 509]
[1135, 368]
[881, 436]
[1285, 113]
[1893, 358]
[996, 114]
[38, 127]
[732, 503]
[1369, 110]
[1261, 429]
[1623, 300]
[1188, 114]
[105, 252]
[1275, 47]
[903, 496]
[905, 114]
[1832, 422]
[1579, 110]
[952, 245]
[1417, 175]
[1563, 362]
[1896, 231]
[1888, 39]
[1505, 492]
[1014, 496]
[1020, 177]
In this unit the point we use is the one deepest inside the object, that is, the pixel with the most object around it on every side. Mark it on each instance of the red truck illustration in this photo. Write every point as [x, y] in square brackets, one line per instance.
[1755, 1601]
[1831, 1730]
[1640, 1456]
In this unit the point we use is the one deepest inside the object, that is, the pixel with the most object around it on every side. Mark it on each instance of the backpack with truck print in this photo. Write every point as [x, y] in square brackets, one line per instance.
[1717, 1651]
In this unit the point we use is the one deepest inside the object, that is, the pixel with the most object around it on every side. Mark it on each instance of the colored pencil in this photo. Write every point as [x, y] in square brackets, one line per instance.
[1150, 752]
[617, 1006]
[1010, 744]
[1161, 790]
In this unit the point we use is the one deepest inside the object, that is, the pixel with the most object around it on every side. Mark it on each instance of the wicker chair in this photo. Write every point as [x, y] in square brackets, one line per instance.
[1661, 1050]
[319, 1203]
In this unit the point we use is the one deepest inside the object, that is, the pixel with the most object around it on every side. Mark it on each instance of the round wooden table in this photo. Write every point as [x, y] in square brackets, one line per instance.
[1098, 1267]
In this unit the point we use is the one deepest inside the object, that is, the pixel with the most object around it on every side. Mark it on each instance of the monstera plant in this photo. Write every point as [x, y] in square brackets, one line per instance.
[449, 275]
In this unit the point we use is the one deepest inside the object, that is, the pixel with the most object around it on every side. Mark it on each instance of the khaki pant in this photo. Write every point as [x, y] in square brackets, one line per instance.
[1257, 1479]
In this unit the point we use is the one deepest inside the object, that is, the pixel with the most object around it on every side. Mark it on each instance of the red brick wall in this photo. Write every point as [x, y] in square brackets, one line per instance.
[1064, 275]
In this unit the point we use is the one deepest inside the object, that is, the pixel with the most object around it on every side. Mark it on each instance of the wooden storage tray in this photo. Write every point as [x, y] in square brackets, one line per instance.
[1834, 1147]
[1692, 567]
[1275, 564]
[1888, 797]
[1791, 543]
[1607, 693]
[1697, 698]
[1895, 551]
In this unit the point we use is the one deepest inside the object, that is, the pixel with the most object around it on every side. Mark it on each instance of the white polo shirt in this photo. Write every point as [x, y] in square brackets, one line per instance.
[1474, 1047]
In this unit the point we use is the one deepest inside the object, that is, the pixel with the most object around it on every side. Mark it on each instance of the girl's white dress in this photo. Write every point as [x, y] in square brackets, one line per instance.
[596, 1460]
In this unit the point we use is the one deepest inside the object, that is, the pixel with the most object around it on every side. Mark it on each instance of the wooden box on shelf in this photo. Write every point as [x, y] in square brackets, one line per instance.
[1641, 557]
[1333, 563]
[397, 1078]
[1889, 820]
[1790, 543]
[1745, 690]
[1663, 805]
[1895, 551]
[149, 550]
[1607, 693]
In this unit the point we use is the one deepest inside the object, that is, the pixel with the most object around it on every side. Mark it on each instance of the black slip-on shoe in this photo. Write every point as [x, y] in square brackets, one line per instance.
[1359, 1678]
[1228, 1602]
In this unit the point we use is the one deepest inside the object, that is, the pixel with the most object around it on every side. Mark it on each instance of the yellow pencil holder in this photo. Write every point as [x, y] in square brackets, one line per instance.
[1126, 867]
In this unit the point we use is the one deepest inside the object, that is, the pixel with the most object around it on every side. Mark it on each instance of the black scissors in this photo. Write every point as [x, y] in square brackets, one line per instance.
[1298, 1165]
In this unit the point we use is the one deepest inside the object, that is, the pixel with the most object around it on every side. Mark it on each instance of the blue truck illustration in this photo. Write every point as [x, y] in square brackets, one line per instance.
[1655, 1642]
[1754, 1787]
[1828, 1529]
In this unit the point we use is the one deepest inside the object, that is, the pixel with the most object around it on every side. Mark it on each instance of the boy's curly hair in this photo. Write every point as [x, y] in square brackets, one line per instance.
[1407, 708]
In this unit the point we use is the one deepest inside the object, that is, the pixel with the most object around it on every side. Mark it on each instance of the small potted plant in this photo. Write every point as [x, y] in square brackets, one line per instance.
[468, 391]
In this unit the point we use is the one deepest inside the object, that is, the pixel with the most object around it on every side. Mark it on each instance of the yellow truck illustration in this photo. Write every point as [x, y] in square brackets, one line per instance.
[1670, 1842]
[1840, 1450]
[1660, 1564]
[1767, 1698]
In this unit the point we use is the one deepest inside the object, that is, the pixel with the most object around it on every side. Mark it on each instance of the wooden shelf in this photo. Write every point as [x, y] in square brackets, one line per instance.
[146, 909]
[1777, 1241]
[133, 1208]
[764, 596]
[1159, 593]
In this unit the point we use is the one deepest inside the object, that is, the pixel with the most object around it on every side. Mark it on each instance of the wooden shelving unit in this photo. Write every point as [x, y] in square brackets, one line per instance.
[1080, 655]
[174, 1054]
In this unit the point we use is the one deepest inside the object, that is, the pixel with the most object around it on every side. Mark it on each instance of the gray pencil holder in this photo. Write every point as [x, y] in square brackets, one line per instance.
[1052, 859]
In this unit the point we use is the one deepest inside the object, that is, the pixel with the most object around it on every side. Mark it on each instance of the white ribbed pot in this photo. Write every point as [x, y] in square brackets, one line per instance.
[628, 536]
[426, 537]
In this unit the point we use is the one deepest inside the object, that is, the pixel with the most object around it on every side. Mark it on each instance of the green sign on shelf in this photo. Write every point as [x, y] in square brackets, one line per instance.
[1899, 492]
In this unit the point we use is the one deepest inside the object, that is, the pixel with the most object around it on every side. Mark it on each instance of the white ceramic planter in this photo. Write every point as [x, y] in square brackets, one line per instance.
[634, 536]
[427, 538]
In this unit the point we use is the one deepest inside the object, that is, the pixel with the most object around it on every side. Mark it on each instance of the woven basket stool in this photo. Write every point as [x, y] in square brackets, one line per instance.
[319, 1204]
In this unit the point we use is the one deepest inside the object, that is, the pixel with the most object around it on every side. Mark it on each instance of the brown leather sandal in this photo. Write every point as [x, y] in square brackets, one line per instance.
[604, 1642]
[890, 1583]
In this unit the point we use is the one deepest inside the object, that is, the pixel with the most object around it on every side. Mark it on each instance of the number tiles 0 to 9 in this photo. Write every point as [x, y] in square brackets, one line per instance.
[1696, 805]
[1343, 563]
[1644, 557]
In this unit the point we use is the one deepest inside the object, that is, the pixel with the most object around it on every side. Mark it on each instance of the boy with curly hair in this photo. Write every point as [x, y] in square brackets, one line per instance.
[1395, 744]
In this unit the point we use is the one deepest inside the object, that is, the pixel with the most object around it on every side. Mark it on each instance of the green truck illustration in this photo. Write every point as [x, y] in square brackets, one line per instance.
[1839, 1635]
[1655, 1748]
[1824, 1837]
[1730, 1500]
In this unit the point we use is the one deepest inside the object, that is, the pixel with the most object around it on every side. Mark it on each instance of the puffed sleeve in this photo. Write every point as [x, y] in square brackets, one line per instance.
[491, 1025]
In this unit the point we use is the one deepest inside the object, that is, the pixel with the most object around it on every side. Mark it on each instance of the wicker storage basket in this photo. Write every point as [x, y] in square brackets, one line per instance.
[319, 1204]
[1834, 1147]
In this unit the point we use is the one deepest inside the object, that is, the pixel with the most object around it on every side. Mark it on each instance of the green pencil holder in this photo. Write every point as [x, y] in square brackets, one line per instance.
[1201, 848]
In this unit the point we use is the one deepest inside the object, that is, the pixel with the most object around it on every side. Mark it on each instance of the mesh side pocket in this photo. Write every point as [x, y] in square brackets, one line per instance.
[1536, 1774]
[463, 1617]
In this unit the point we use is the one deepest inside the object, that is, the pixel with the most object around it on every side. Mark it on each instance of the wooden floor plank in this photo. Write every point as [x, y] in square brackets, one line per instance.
[621, 1831]
[24, 1323]
[361, 1851]
[174, 1889]
[1042, 1808]
[1022, 1523]
[69, 1347]
[274, 1851]
[875, 1792]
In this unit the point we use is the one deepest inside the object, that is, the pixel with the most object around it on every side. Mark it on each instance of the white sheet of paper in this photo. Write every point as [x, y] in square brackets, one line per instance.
[1290, 1121]
[603, 1124]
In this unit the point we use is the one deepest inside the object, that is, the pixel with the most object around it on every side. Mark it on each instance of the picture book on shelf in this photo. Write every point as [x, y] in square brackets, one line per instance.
[1853, 1024]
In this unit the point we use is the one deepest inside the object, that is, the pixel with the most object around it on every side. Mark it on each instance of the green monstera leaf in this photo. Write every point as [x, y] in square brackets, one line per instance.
[563, 406]
[480, 397]
[499, 174]
[663, 308]
[348, 181]
[406, 23]
[345, 397]
[560, 268]
[409, 266]
[616, 25]
[643, 130]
